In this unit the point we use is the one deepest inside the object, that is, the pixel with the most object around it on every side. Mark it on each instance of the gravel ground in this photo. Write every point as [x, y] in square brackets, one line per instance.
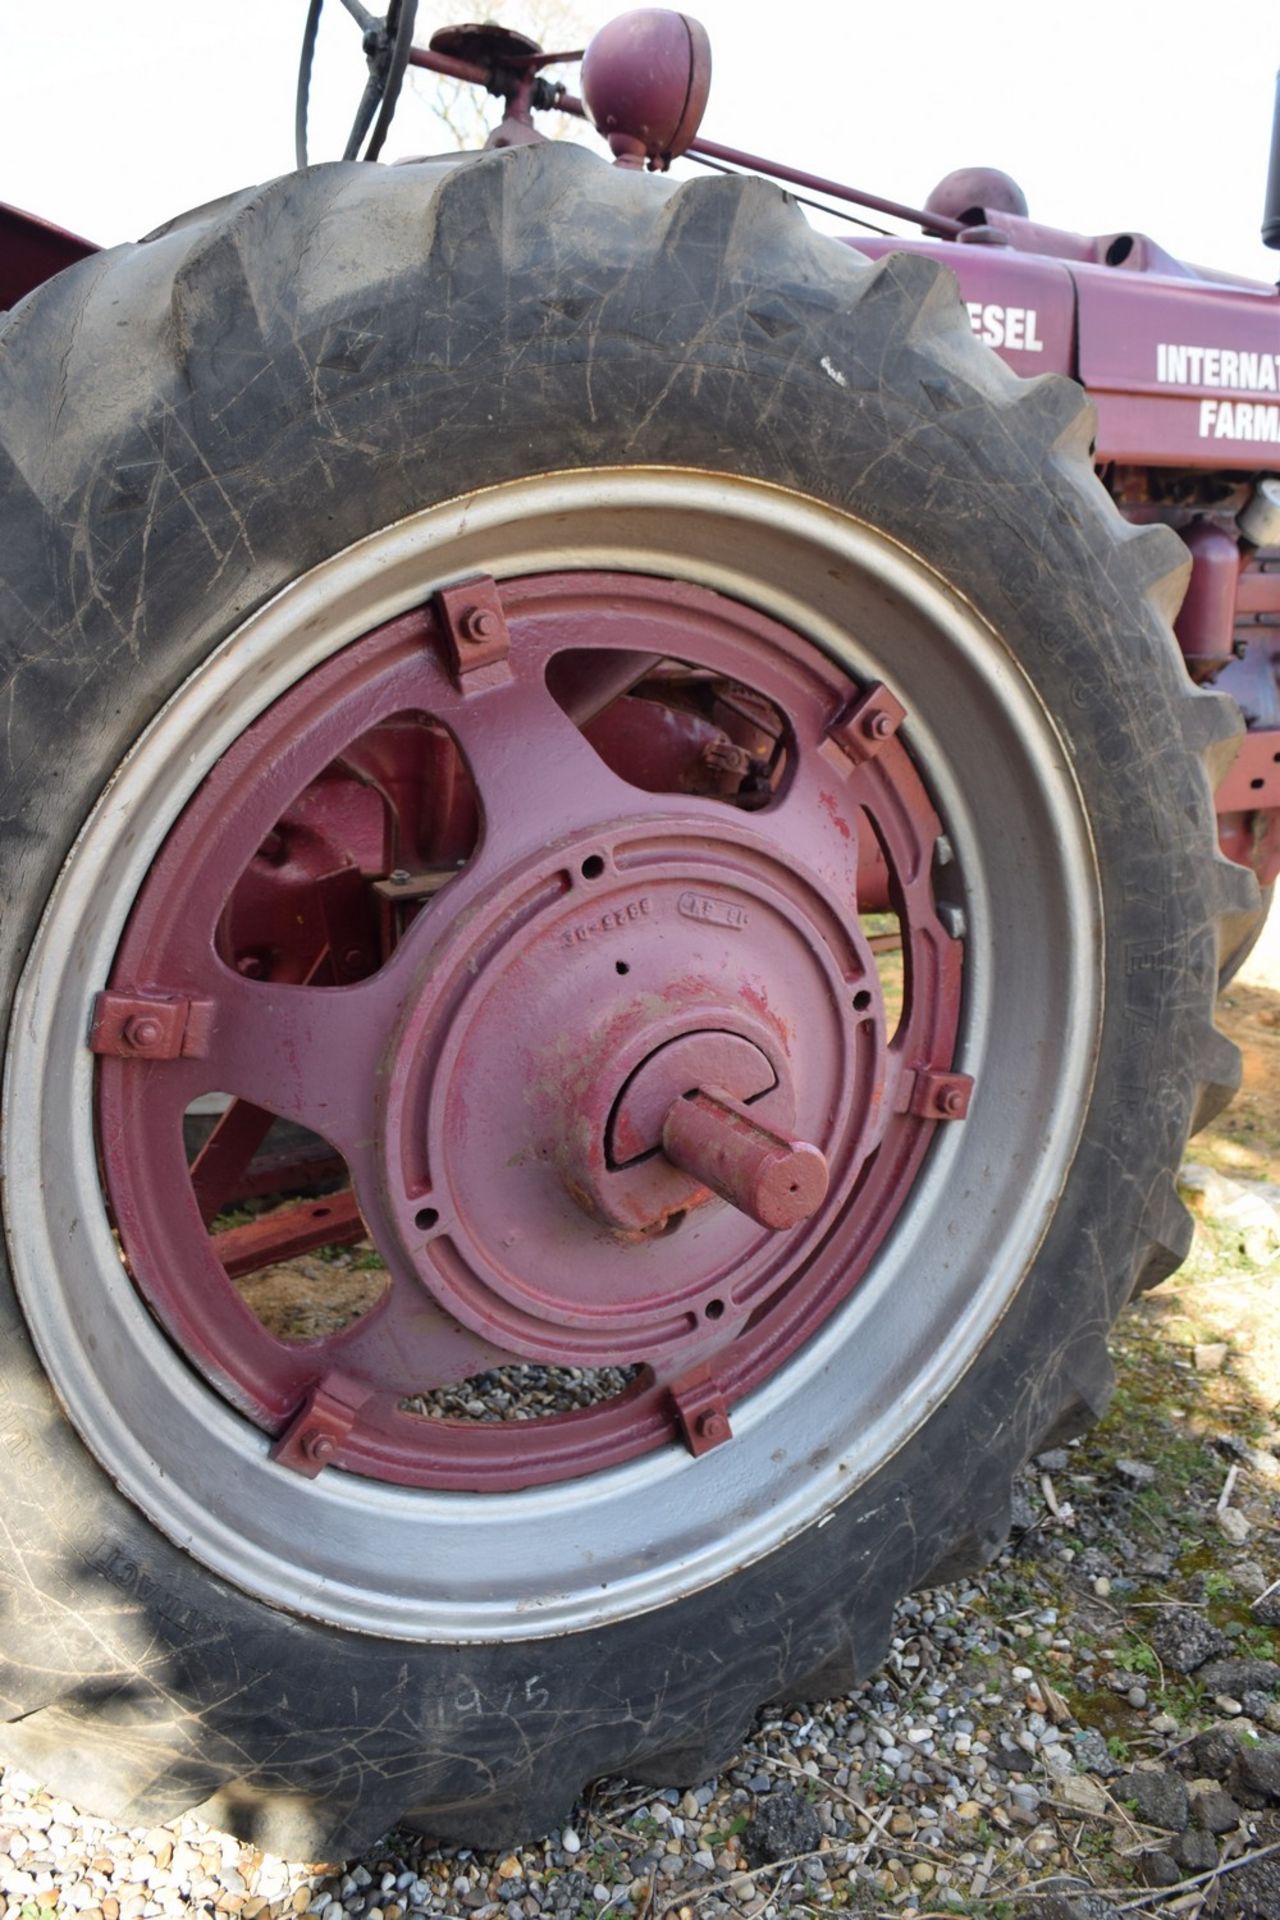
[1091, 1726]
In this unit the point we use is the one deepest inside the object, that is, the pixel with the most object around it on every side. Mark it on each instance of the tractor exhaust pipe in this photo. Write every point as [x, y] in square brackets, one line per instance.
[1271, 211]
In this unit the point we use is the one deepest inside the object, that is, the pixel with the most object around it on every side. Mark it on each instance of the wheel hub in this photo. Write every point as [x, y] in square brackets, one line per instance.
[530, 1092]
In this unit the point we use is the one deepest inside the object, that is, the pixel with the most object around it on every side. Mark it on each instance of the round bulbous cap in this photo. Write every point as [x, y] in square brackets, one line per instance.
[973, 189]
[645, 77]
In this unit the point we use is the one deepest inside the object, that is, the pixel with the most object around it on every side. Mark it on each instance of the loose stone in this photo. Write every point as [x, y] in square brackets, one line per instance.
[1159, 1796]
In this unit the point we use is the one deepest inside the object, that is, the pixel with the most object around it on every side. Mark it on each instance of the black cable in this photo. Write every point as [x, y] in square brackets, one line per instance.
[743, 173]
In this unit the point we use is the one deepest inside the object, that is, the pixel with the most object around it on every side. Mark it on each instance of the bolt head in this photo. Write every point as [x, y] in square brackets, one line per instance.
[713, 1426]
[479, 623]
[879, 725]
[952, 1102]
[143, 1032]
[725, 757]
[318, 1446]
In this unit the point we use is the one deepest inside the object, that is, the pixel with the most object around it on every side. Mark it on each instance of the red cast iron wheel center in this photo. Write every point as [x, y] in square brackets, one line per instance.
[531, 1081]
[618, 1094]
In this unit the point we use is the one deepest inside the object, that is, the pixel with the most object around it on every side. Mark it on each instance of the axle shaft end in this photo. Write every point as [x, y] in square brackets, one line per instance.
[771, 1176]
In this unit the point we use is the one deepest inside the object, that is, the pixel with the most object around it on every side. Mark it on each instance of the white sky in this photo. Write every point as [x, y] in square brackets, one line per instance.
[1151, 114]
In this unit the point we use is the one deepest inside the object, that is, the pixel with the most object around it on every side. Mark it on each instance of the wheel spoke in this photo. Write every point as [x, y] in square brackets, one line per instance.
[305, 1054]
[409, 1345]
[532, 767]
[817, 819]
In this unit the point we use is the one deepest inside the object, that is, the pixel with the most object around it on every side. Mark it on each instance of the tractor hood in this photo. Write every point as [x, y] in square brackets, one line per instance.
[1184, 370]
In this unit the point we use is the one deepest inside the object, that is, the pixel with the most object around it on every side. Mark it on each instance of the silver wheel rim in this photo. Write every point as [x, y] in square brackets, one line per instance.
[453, 1567]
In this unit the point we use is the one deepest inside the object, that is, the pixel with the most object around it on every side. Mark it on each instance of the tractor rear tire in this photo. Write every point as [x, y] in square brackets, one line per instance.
[197, 434]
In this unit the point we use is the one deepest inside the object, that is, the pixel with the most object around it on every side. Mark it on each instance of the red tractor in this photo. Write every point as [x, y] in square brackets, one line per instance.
[612, 912]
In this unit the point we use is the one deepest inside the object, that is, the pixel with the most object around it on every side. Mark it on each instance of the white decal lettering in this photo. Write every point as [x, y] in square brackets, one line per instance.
[1011, 327]
[1228, 367]
[1239, 420]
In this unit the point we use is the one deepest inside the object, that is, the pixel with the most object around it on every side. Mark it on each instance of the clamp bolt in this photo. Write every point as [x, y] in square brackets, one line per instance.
[318, 1446]
[478, 624]
[714, 1428]
[143, 1032]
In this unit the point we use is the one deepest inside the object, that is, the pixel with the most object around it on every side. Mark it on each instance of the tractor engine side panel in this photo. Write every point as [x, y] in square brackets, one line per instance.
[1183, 373]
[1021, 304]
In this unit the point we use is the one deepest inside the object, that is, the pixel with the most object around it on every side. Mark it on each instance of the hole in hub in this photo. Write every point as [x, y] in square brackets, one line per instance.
[714, 1310]
[620, 966]
[357, 855]
[593, 866]
[521, 1392]
[673, 726]
[281, 1219]
[885, 927]
[425, 1218]
[861, 1000]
